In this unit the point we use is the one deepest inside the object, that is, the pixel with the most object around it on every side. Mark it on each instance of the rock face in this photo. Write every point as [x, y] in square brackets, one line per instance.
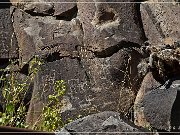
[158, 106]
[148, 84]
[154, 106]
[96, 47]
[43, 36]
[8, 42]
[105, 122]
[93, 50]
[107, 25]
[161, 21]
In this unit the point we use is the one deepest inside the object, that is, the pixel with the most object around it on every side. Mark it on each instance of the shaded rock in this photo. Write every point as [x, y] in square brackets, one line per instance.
[157, 105]
[161, 21]
[8, 41]
[94, 85]
[105, 122]
[65, 11]
[96, 81]
[113, 77]
[175, 117]
[148, 84]
[62, 10]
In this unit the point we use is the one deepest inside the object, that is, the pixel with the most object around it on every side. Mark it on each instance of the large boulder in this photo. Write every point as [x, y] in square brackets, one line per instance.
[45, 35]
[104, 122]
[34, 7]
[149, 83]
[62, 10]
[107, 25]
[154, 107]
[100, 79]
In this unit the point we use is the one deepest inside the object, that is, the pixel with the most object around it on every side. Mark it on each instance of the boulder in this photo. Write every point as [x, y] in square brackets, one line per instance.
[65, 10]
[156, 106]
[105, 122]
[148, 84]
[62, 10]
[42, 36]
[96, 80]
[77, 97]
[34, 7]
[90, 88]
[107, 25]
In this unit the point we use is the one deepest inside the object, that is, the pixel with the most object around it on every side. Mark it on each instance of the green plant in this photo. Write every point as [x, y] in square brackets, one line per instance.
[51, 117]
[13, 105]
[13, 93]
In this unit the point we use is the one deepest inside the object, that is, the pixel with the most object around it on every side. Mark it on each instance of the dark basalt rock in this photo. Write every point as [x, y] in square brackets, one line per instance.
[102, 123]
[8, 41]
[158, 103]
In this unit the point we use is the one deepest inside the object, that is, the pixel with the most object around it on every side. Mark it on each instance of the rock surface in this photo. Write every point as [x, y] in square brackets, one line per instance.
[148, 84]
[105, 122]
[93, 67]
[156, 106]
[161, 21]
[107, 25]
[8, 41]
[96, 47]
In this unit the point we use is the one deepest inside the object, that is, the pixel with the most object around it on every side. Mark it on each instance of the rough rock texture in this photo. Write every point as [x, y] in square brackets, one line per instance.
[8, 42]
[76, 97]
[97, 48]
[148, 84]
[94, 76]
[158, 106]
[161, 21]
[105, 122]
[45, 35]
[155, 107]
[107, 25]
[175, 119]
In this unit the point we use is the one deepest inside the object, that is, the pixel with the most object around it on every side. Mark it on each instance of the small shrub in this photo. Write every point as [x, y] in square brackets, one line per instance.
[15, 110]
[51, 116]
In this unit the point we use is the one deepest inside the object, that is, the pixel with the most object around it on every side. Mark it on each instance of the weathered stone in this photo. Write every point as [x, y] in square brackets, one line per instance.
[109, 76]
[34, 7]
[105, 122]
[156, 106]
[77, 96]
[161, 21]
[8, 41]
[175, 117]
[107, 25]
[147, 85]
[114, 77]
[62, 10]
[94, 85]
[44, 35]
